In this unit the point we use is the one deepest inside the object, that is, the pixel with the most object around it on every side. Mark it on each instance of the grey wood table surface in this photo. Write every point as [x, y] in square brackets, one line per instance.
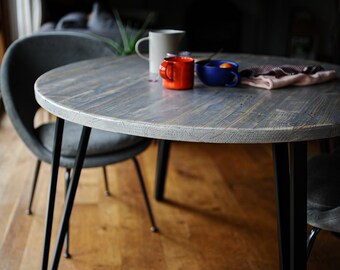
[116, 94]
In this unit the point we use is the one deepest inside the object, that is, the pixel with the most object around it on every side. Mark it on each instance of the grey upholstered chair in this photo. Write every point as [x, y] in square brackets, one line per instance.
[28, 58]
[323, 194]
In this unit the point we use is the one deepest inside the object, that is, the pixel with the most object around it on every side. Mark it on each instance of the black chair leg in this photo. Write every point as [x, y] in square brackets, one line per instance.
[34, 184]
[107, 190]
[67, 236]
[311, 239]
[146, 200]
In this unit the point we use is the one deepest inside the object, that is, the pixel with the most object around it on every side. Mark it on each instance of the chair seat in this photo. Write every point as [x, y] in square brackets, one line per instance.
[101, 142]
[323, 203]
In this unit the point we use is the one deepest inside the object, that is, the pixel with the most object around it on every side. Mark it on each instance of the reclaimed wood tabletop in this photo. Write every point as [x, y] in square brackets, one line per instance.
[118, 94]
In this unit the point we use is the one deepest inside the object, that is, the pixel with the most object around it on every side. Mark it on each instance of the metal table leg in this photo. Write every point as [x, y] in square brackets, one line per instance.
[161, 170]
[291, 197]
[298, 205]
[67, 237]
[59, 128]
[282, 188]
[71, 192]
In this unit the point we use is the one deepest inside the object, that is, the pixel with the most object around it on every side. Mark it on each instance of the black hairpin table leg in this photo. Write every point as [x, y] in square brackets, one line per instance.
[161, 170]
[71, 192]
[59, 128]
[298, 205]
[291, 197]
[282, 188]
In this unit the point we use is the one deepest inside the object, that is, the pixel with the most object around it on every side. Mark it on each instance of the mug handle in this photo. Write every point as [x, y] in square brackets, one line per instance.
[163, 70]
[137, 48]
[235, 80]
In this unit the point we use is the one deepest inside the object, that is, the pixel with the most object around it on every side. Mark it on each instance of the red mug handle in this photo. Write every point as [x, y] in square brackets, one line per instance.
[166, 70]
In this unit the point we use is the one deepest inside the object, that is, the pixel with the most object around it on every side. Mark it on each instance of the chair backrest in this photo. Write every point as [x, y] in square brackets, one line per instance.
[28, 58]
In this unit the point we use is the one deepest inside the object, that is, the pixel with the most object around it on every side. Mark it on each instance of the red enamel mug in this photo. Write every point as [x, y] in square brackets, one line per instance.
[177, 72]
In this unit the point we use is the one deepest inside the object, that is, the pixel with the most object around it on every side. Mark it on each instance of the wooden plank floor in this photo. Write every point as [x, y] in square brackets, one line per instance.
[219, 212]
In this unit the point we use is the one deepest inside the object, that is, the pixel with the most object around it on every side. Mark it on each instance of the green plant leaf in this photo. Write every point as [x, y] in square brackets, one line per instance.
[128, 36]
[122, 31]
[146, 23]
[115, 45]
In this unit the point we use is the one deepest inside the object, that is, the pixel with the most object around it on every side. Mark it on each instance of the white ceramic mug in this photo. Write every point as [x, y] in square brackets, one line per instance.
[161, 43]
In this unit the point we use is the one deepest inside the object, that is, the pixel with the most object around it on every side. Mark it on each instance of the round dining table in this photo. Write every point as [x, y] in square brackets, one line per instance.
[119, 94]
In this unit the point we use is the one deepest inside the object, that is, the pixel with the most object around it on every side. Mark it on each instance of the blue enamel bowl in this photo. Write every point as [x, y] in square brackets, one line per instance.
[210, 73]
